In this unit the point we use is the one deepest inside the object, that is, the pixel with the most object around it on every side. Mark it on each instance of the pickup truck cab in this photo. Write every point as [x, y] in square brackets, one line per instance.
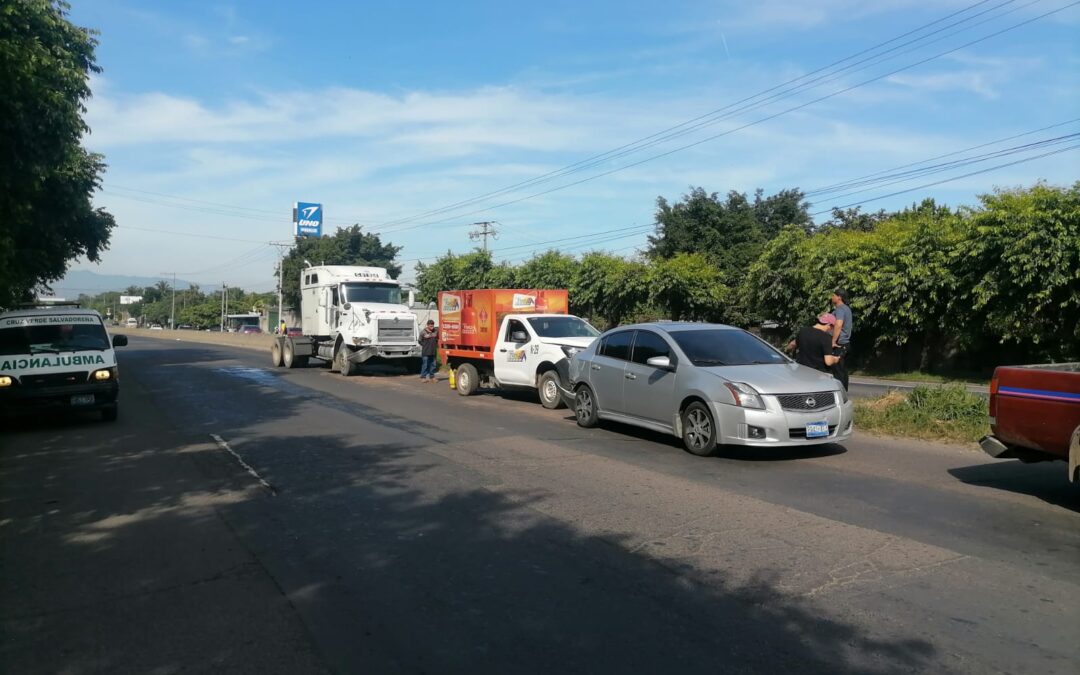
[58, 358]
[1035, 414]
[533, 352]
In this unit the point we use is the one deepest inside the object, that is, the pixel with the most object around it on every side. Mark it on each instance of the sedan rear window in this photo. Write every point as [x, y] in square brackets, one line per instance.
[719, 347]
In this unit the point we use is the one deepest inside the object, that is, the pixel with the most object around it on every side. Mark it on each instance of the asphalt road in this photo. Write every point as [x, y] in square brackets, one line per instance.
[402, 528]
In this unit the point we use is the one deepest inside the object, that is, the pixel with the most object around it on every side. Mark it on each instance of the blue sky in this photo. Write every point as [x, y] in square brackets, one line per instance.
[215, 117]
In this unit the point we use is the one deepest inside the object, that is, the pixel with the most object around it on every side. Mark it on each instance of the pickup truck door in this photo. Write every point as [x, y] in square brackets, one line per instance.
[515, 358]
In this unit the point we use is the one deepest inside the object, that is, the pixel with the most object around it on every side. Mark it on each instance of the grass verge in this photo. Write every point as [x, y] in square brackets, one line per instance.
[947, 413]
[921, 377]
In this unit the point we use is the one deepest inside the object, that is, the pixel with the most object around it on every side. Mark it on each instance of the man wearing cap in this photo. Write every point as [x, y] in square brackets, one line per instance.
[841, 334]
[814, 345]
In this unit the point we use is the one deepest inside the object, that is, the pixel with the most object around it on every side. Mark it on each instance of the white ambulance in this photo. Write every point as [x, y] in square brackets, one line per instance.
[57, 357]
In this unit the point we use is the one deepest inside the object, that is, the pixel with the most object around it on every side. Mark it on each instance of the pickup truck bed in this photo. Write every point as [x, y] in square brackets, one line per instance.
[1035, 414]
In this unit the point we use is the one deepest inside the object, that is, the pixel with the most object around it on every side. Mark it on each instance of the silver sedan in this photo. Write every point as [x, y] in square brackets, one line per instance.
[708, 384]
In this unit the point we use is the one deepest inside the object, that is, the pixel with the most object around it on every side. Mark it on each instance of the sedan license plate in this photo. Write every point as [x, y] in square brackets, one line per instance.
[82, 399]
[817, 430]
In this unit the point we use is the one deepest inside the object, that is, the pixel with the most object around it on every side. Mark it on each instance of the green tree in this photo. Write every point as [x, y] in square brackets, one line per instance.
[347, 246]
[609, 288]
[688, 287]
[550, 269]
[46, 176]
[1019, 270]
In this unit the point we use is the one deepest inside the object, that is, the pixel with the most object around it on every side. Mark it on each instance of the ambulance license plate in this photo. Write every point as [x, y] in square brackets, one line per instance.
[817, 430]
[82, 399]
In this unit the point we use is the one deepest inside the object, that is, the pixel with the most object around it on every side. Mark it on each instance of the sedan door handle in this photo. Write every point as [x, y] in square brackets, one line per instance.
[631, 376]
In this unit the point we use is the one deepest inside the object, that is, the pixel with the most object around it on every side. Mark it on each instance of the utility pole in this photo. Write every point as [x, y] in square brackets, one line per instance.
[172, 312]
[281, 246]
[224, 304]
[487, 229]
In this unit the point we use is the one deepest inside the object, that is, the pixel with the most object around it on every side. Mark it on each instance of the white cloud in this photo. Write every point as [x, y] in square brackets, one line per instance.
[974, 82]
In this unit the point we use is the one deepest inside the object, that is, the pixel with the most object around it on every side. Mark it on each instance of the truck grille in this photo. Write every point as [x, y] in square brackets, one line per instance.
[52, 379]
[396, 330]
[819, 400]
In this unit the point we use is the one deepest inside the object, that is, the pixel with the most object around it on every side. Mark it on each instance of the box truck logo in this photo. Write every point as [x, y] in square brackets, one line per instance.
[522, 301]
[451, 304]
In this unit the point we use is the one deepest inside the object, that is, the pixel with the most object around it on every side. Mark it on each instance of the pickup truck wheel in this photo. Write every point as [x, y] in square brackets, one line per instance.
[548, 387]
[275, 354]
[698, 430]
[585, 408]
[342, 362]
[468, 379]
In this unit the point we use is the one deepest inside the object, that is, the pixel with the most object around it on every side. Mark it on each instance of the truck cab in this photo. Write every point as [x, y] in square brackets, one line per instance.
[349, 315]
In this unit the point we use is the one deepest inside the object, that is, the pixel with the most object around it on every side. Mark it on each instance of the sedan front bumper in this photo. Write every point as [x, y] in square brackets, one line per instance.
[774, 426]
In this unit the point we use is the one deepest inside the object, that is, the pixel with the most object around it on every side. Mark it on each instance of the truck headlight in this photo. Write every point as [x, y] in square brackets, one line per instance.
[6, 381]
[361, 341]
[745, 395]
[571, 351]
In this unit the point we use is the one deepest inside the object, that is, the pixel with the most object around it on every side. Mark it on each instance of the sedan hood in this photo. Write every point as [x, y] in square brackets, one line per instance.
[777, 378]
[579, 342]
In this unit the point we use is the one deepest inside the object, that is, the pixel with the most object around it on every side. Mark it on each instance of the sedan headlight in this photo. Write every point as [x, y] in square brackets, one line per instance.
[571, 351]
[745, 395]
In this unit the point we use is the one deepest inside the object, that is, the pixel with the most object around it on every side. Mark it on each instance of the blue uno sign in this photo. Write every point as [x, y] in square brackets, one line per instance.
[307, 219]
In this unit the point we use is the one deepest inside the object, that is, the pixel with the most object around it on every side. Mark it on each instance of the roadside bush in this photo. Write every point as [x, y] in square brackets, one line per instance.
[949, 413]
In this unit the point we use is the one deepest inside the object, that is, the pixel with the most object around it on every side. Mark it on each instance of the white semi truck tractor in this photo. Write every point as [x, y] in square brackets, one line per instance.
[350, 315]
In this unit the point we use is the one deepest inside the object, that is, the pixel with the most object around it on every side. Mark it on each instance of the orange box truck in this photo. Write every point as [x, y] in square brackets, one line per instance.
[511, 338]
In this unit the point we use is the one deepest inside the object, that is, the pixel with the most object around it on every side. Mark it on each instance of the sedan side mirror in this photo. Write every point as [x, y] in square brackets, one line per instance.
[119, 341]
[661, 362]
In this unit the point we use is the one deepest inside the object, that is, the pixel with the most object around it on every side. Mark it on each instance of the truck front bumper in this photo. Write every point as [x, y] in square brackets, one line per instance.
[362, 354]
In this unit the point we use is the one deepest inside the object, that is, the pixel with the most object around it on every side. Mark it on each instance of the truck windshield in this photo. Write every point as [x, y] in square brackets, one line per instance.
[53, 338]
[368, 292]
[561, 326]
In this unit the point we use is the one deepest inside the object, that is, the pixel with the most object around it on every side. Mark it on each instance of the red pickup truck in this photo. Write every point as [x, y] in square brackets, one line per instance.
[1035, 414]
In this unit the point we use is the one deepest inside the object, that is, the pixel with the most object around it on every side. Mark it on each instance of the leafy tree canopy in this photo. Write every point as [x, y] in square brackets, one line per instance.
[46, 176]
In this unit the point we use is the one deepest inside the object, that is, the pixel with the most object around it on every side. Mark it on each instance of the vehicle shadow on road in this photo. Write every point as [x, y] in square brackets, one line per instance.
[1046, 481]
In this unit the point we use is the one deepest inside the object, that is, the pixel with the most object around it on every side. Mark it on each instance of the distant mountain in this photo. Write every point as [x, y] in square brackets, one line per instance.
[85, 281]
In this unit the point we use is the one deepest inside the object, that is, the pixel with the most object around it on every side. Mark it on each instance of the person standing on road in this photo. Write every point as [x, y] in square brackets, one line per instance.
[429, 348]
[814, 345]
[841, 334]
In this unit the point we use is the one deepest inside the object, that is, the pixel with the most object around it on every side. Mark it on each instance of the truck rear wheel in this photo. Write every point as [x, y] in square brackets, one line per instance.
[468, 379]
[342, 362]
[275, 354]
[288, 354]
[548, 388]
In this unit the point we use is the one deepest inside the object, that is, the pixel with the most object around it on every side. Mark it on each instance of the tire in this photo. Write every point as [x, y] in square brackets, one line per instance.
[109, 414]
[548, 388]
[468, 379]
[585, 408]
[275, 354]
[698, 430]
[288, 354]
[341, 361]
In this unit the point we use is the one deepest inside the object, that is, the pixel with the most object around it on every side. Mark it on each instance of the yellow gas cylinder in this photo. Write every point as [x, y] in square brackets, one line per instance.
[452, 385]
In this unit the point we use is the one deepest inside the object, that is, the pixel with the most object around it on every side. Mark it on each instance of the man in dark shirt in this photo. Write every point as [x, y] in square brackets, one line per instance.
[814, 345]
[429, 349]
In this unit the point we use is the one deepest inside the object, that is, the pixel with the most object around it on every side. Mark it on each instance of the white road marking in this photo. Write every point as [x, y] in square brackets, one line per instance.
[225, 446]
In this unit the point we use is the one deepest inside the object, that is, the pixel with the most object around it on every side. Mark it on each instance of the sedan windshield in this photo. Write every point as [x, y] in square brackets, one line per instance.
[53, 338]
[720, 347]
[383, 293]
[562, 326]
